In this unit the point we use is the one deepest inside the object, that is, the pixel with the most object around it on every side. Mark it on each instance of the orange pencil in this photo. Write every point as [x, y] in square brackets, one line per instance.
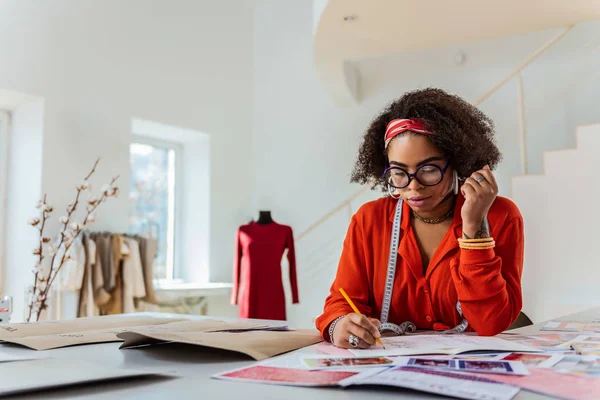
[343, 292]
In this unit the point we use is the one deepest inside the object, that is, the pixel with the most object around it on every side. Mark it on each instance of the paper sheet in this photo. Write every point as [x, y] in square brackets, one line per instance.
[286, 376]
[312, 362]
[439, 382]
[546, 381]
[584, 365]
[284, 361]
[533, 359]
[545, 341]
[49, 373]
[258, 344]
[441, 344]
[572, 326]
[329, 349]
[46, 335]
[19, 330]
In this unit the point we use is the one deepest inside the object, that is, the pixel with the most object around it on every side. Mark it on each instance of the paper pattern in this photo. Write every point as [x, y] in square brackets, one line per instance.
[46, 335]
[258, 344]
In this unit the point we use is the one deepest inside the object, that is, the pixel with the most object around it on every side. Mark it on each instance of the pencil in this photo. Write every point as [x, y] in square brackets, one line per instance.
[343, 292]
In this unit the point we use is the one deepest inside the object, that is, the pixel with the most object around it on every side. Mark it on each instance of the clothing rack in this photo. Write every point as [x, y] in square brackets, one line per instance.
[99, 273]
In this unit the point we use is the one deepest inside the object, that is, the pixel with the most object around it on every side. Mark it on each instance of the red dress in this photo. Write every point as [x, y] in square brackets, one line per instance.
[257, 283]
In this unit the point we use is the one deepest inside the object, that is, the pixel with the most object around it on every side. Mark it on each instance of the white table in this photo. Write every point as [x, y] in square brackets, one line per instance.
[192, 367]
[189, 298]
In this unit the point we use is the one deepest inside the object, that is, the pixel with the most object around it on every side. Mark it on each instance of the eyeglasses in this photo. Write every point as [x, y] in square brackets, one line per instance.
[426, 175]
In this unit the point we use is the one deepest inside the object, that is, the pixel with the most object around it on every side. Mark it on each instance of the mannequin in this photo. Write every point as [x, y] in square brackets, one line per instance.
[257, 278]
[264, 217]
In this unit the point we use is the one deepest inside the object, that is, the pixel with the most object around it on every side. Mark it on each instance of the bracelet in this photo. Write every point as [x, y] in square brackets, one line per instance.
[492, 243]
[473, 247]
[332, 327]
[477, 244]
[481, 240]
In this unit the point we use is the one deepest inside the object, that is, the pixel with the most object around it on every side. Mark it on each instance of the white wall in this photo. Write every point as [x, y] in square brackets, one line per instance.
[4, 124]
[195, 217]
[186, 63]
[24, 191]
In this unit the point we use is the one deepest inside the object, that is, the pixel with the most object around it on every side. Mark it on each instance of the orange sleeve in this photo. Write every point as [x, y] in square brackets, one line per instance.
[237, 261]
[488, 282]
[352, 277]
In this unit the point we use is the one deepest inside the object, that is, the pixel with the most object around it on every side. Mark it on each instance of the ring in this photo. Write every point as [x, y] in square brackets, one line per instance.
[353, 340]
[480, 179]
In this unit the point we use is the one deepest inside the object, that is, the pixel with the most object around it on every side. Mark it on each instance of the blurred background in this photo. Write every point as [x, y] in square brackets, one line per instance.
[210, 111]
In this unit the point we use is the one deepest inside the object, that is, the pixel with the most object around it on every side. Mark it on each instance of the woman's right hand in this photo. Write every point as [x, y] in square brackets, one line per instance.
[367, 329]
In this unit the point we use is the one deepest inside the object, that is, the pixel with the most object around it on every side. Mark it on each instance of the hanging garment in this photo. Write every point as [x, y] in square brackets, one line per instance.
[92, 294]
[133, 276]
[70, 276]
[257, 283]
[108, 251]
[148, 249]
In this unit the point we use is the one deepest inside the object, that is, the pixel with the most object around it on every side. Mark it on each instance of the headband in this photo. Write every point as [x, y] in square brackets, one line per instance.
[397, 126]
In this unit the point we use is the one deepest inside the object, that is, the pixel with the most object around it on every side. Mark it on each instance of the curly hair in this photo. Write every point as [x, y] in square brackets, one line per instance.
[464, 134]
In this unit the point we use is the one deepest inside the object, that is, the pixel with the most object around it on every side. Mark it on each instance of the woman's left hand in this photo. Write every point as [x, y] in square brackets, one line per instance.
[480, 191]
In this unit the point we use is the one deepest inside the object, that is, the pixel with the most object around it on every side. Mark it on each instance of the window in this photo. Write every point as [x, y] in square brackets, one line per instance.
[4, 119]
[153, 197]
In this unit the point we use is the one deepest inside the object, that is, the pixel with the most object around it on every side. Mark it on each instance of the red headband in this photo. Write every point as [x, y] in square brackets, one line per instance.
[397, 126]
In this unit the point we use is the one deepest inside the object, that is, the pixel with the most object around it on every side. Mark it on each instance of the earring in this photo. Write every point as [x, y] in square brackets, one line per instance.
[455, 176]
[391, 191]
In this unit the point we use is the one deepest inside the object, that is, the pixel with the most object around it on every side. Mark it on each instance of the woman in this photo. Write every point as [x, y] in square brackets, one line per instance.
[457, 249]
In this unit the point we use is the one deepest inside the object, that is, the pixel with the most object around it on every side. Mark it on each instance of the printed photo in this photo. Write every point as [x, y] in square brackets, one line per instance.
[485, 366]
[324, 363]
[289, 376]
[587, 365]
[431, 362]
[527, 358]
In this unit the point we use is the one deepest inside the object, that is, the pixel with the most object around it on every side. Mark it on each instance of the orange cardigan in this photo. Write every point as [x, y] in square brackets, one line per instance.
[486, 282]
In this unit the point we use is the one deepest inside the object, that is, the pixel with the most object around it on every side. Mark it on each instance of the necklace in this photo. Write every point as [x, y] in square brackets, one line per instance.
[434, 220]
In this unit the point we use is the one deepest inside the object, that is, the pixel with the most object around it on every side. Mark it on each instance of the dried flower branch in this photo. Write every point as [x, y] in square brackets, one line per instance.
[69, 233]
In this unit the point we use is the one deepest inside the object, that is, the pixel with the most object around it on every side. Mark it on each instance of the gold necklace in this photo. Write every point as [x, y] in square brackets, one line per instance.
[434, 220]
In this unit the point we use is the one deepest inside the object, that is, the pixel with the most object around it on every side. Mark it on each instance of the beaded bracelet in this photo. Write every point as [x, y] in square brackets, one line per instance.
[332, 327]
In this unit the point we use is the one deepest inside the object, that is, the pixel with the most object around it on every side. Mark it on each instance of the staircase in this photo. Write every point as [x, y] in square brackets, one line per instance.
[560, 210]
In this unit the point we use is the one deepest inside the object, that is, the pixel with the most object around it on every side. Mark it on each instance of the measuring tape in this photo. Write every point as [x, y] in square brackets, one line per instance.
[405, 327]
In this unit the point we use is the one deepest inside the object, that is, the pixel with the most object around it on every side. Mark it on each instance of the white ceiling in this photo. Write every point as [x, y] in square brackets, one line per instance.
[384, 27]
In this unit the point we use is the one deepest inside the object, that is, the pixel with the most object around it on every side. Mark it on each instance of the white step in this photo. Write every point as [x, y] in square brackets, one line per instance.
[588, 138]
[561, 239]
[555, 161]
